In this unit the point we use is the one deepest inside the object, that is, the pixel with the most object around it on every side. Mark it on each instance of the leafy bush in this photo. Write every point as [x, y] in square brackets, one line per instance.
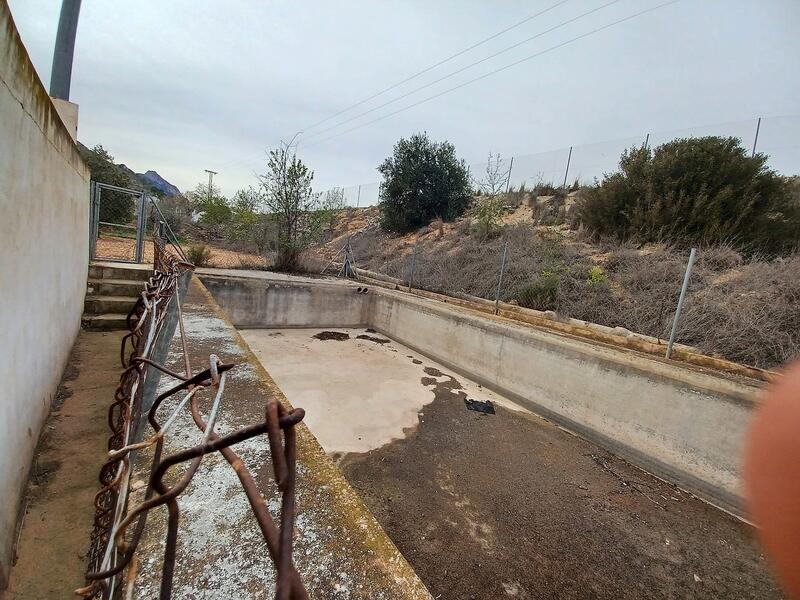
[488, 211]
[695, 190]
[422, 180]
[546, 189]
[596, 276]
[540, 294]
[115, 207]
[176, 212]
[199, 255]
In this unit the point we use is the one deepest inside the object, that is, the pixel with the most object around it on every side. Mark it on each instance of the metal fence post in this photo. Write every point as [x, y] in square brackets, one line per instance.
[141, 224]
[508, 179]
[755, 141]
[566, 172]
[680, 301]
[500, 279]
[358, 199]
[92, 202]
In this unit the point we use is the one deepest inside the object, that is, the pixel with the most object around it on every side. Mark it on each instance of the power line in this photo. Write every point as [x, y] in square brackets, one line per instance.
[438, 64]
[469, 66]
[495, 71]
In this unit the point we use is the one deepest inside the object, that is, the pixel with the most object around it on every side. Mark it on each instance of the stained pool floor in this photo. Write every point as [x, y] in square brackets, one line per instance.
[360, 389]
[505, 505]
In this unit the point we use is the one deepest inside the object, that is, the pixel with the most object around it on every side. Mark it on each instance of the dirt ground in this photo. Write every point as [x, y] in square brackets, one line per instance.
[509, 505]
[58, 505]
[121, 248]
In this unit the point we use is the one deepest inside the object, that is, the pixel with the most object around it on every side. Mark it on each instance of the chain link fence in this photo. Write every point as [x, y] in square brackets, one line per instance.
[582, 164]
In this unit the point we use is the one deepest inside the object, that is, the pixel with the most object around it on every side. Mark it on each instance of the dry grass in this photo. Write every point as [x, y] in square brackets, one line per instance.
[747, 311]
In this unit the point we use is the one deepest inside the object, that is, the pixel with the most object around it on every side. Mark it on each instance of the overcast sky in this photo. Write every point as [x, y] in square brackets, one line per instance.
[183, 85]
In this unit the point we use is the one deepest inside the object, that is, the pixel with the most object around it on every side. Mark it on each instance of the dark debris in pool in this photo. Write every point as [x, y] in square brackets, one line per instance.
[372, 338]
[337, 336]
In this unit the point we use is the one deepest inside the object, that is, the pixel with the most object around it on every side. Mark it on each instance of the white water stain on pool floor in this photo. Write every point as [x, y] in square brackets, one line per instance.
[359, 394]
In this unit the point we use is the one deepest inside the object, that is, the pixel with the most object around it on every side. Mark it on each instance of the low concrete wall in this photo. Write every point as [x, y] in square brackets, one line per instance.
[279, 302]
[685, 424]
[44, 225]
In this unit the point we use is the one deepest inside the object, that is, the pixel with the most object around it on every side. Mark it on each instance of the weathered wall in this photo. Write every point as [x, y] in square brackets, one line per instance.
[685, 424]
[44, 192]
[259, 302]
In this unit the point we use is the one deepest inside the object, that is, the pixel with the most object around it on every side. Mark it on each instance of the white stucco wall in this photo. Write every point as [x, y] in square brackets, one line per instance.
[44, 195]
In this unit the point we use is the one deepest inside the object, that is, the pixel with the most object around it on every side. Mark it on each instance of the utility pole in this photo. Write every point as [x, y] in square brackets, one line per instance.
[61, 74]
[210, 182]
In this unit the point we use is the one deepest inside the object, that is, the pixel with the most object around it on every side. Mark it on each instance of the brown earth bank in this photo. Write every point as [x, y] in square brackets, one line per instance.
[509, 505]
[58, 505]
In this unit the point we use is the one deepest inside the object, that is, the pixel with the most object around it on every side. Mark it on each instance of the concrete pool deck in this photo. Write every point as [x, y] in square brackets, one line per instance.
[506, 505]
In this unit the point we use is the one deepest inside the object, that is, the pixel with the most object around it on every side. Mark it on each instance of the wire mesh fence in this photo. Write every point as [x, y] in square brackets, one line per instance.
[583, 164]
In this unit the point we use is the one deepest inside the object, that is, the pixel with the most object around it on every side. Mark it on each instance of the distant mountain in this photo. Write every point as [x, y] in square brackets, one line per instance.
[158, 183]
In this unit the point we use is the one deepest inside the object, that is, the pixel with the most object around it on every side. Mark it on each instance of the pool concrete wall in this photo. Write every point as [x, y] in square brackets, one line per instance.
[685, 424]
[258, 302]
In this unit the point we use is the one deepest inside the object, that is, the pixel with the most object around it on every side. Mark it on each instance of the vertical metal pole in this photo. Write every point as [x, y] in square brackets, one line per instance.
[95, 219]
[566, 173]
[91, 219]
[680, 301]
[500, 280]
[510, 167]
[210, 182]
[413, 264]
[140, 226]
[755, 141]
[61, 74]
[647, 141]
[358, 200]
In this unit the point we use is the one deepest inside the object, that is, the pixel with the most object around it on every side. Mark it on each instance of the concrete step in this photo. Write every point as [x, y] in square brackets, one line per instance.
[96, 305]
[127, 271]
[105, 322]
[114, 287]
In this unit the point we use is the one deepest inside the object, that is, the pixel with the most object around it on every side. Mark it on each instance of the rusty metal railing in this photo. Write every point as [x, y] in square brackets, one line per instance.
[118, 527]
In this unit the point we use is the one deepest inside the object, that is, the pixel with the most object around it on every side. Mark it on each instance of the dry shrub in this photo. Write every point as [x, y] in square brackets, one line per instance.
[199, 255]
[746, 312]
[720, 258]
[753, 318]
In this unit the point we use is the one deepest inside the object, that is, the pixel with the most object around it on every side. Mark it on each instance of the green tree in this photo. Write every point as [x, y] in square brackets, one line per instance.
[215, 212]
[247, 219]
[422, 181]
[115, 207]
[695, 191]
[291, 202]
[331, 206]
[490, 205]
